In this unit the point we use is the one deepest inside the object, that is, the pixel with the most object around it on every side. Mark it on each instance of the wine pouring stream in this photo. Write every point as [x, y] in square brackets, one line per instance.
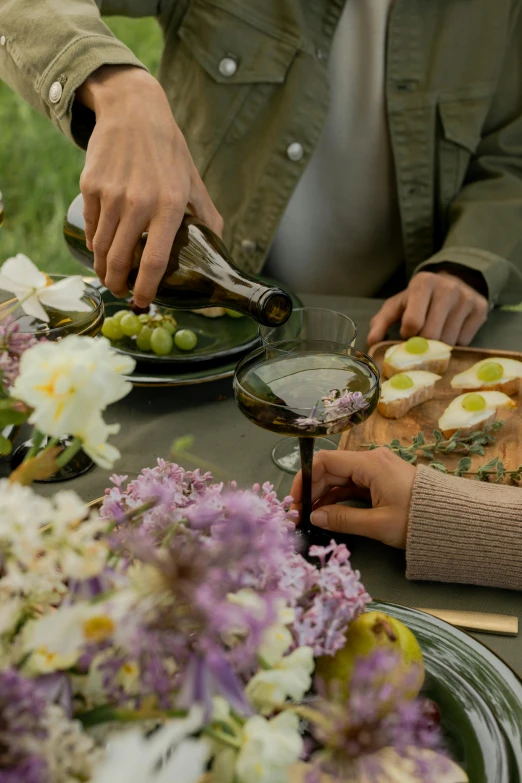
[307, 388]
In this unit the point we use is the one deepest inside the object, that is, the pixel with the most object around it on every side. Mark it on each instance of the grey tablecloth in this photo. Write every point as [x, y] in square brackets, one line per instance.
[152, 418]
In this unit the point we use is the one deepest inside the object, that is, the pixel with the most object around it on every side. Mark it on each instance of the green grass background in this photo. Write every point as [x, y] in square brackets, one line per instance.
[40, 169]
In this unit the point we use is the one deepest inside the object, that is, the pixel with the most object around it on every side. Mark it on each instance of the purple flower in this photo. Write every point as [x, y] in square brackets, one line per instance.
[12, 345]
[377, 714]
[22, 730]
[326, 600]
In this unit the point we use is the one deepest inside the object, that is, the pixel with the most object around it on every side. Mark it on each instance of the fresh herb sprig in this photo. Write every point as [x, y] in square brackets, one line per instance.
[457, 444]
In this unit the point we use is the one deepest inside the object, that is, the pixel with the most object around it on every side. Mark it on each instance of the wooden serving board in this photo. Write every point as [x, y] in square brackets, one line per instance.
[425, 417]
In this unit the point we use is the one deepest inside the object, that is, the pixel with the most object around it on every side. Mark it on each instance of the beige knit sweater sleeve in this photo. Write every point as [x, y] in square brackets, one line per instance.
[464, 531]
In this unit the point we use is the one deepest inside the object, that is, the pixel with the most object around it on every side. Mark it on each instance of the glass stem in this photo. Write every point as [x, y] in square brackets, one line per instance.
[306, 447]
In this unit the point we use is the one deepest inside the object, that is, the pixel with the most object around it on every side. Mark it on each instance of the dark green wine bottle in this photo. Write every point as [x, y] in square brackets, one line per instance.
[200, 272]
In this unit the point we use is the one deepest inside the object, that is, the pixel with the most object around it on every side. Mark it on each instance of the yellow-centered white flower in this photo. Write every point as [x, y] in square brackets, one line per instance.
[69, 383]
[35, 290]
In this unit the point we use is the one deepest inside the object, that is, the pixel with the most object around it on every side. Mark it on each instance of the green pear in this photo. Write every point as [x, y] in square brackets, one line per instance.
[368, 632]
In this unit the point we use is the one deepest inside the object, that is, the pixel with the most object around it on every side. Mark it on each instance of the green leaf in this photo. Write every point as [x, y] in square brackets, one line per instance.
[428, 453]
[476, 448]
[419, 439]
[452, 445]
[5, 446]
[464, 465]
[438, 466]
[182, 444]
[490, 465]
[94, 717]
[395, 444]
[437, 434]
[9, 414]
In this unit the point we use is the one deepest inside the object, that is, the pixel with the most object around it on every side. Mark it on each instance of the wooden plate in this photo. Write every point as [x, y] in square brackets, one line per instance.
[425, 417]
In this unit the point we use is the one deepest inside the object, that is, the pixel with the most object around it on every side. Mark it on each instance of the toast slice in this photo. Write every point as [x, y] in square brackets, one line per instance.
[394, 409]
[466, 431]
[509, 387]
[438, 366]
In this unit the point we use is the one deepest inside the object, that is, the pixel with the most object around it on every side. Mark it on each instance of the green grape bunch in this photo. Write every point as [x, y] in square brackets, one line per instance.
[157, 333]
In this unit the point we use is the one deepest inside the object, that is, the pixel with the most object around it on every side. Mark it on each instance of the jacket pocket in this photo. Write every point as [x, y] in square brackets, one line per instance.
[220, 71]
[461, 124]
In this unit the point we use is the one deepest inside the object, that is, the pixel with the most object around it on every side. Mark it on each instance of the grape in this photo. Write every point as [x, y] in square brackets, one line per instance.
[138, 310]
[185, 340]
[161, 341]
[169, 324]
[112, 329]
[130, 325]
[416, 345]
[143, 340]
[401, 381]
[473, 402]
[118, 315]
[144, 319]
[234, 314]
[490, 371]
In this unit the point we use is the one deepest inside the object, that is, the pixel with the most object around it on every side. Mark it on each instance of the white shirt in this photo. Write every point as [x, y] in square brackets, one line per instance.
[341, 230]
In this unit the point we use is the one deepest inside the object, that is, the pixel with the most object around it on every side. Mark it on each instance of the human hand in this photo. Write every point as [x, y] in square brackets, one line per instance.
[378, 476]
[435, 305]
[138, 176]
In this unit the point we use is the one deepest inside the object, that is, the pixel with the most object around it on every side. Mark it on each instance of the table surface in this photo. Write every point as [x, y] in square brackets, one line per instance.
[152, 418]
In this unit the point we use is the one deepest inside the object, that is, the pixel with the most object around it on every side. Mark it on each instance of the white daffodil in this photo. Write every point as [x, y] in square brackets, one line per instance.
[58, 638]
[269, 748]
[67, 383]
[291, 678]
[169, 755]
[277, 639]
[35, 290]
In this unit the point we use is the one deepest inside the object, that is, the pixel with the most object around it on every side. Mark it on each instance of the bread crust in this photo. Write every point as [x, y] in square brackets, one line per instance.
[508, 387]
[466, 431]
[395, 409]
[438, 366]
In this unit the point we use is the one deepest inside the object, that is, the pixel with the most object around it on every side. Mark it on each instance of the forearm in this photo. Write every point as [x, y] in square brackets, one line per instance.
[474, 537]
[51, 48]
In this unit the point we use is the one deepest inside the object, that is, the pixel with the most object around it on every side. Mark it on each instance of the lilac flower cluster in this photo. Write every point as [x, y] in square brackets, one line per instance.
[12, 345]
[339, 407]
[22, 730]
[377, 714]
[208, 542]
[326, 599]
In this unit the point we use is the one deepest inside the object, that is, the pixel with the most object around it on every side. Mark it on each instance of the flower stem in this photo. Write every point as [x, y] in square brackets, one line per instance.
[220, 736]
[10, 310]
[68, 453]
[37, 439]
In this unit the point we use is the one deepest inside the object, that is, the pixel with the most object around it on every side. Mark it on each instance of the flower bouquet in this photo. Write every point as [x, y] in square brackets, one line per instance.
[175, 635]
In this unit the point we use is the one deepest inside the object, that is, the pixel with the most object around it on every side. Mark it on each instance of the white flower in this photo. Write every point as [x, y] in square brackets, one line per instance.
[291, 678]
[69, 383]
[70, 753]
[58, 638]
[268, 749]
[33, 288]
[402, 768]
[170, 755]
[94, 436]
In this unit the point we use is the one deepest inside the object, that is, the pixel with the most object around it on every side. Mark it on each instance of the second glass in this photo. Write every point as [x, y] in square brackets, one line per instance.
[316, 324]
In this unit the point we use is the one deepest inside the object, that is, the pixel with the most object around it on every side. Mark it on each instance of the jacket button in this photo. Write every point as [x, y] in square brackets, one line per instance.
[55, 93]
[3, 40]
[295, 151]
[227, 66]
[248, 245]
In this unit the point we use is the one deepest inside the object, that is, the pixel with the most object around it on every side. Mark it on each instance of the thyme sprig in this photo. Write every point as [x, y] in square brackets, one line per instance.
[457, 444]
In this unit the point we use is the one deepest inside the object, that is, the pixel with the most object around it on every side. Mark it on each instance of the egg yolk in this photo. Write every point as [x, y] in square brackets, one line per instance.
[416, 345]
[489, 372]
[473, 402]
[401, 381]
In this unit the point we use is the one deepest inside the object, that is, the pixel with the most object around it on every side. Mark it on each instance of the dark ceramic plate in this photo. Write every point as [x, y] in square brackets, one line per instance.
[219, 339]
[480, 698]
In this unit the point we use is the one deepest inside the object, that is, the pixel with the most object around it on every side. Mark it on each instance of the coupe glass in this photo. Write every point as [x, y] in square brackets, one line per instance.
[305, 389]
[60, 324]
[307, 323]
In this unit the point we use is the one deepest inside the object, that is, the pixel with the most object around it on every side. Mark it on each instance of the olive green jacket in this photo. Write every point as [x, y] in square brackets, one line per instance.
[453, 91]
